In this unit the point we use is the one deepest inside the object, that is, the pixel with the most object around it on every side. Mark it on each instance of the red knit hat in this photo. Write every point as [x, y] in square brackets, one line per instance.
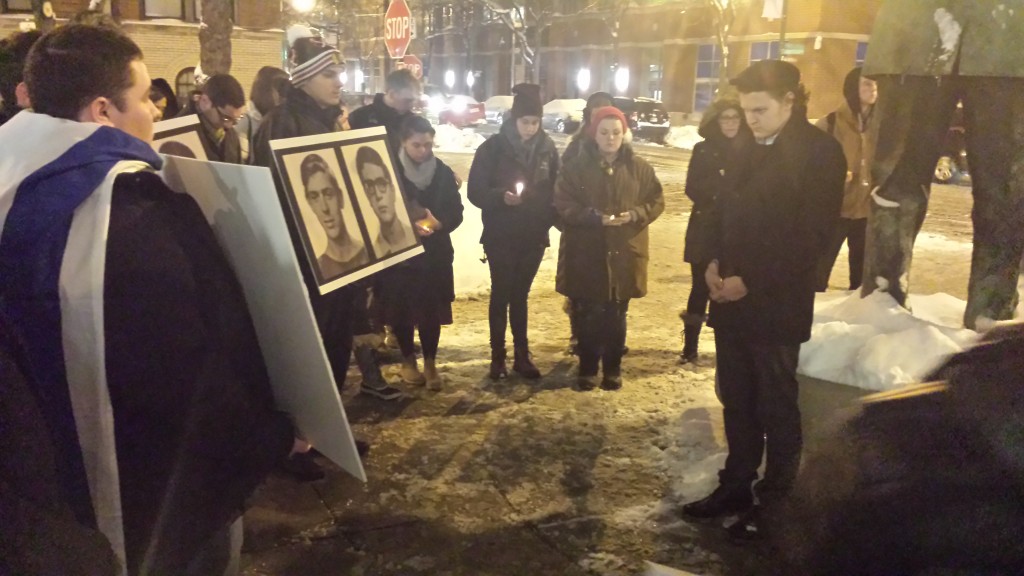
[606, 112]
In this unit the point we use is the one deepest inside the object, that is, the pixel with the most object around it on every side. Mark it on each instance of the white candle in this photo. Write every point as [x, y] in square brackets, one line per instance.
[519, 188]
[612, 217]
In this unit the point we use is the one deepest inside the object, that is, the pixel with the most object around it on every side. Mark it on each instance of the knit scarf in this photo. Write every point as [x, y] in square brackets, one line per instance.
[421, 175]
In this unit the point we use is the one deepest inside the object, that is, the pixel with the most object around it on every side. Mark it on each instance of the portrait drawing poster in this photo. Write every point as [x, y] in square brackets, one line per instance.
[179, 137]
[346, 203]
[242, 207]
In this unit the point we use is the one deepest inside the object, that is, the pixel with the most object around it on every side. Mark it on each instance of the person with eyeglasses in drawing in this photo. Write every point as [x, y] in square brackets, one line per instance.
[395, 233]
[221, 104]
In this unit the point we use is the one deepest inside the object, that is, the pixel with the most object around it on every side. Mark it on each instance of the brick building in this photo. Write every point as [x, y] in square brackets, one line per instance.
[668, 49]
[167, 32]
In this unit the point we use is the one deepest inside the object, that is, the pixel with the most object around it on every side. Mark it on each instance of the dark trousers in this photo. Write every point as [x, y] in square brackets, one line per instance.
[430, 336]
[915, 113]
[601, 334]
[758, 388]
[334, 317]
[697, 304]
[513, 269]
[853, 232]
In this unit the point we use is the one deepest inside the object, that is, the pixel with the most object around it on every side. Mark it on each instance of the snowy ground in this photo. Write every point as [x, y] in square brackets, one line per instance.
[517, 478]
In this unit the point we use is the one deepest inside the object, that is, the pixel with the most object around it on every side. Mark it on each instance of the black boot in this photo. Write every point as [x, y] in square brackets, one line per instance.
[726, 499]
[498, 369]
[692, 323]
[524, 365]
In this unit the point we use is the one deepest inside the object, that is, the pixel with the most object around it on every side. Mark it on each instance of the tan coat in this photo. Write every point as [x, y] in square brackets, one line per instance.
[859, 149]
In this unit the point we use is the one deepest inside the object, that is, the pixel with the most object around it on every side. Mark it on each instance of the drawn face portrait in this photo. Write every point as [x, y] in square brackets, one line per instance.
[379, 189]
[324, 196]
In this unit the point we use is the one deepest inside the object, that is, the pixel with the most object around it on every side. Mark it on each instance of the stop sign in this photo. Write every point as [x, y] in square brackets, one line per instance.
[397, 28]
[414, 64]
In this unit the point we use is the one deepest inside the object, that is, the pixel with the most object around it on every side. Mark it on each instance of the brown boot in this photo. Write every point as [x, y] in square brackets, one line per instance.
[524, 365]
[434, 380]
[410, 372]
[498, 369]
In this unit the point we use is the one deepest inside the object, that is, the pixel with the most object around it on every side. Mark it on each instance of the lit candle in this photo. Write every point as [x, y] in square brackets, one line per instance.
[519, 188]
[612, 217]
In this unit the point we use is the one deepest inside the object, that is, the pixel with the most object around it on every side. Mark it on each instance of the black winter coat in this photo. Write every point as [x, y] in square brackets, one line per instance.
[496, 170]
[704, 181]
[196, 429]
[777, 211]
[443, 200]
[380, 114]
[230, 148]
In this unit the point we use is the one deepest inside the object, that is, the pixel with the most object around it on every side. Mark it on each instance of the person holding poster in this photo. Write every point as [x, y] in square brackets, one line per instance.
[150, 376]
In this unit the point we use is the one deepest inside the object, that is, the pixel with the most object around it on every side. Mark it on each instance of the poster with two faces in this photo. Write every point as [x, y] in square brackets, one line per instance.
[347, 204]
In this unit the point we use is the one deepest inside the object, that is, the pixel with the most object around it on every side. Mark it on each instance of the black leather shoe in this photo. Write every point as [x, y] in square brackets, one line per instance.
[747, 528]
[724, 500]
[586, 383]
[303, 468]
[611, 382]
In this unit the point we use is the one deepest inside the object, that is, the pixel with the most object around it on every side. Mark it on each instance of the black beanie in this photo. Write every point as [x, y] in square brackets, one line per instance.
[526, 101]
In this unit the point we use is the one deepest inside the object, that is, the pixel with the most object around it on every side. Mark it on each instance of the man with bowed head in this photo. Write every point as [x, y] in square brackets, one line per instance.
[143, 355]
[776, 216]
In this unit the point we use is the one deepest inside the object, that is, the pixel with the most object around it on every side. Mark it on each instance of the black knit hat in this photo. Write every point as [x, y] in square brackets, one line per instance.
[526, 101]
[308, 54]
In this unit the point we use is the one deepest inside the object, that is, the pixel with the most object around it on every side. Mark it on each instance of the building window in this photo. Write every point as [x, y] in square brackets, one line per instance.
[709, 63]
[16, 5]
[764, 51]
[655, 73]
[164, 9]
[184, 85]
[862, 53]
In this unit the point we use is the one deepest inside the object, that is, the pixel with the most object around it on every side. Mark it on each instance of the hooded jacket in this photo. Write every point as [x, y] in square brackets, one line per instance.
[857, 136]
[596, 262]
[705, 178]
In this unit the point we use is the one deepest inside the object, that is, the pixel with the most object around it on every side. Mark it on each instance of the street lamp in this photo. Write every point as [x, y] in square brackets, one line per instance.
[470, 79]
[449, 79]
[303, 6]
[344, 78]
[583, 80]
[622, 79]
[360, 79]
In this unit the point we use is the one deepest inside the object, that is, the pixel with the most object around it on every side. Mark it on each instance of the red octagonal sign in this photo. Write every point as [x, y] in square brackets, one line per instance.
[397, 28]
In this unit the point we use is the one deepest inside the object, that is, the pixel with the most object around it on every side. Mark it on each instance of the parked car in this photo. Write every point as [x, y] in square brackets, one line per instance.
[563, 114]
[647, 117]
[496, 108]
[456, 109]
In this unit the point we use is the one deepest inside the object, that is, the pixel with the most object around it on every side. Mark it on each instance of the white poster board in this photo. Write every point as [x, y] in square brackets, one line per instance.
[242, 206]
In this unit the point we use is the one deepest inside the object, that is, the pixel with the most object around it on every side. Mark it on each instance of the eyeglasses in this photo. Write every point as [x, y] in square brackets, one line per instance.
[377, 185]
[724, 118]
[227, 118]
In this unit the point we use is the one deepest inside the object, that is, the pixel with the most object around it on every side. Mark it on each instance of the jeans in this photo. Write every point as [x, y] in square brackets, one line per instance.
[601, 334]
[512, 272]
[697, 304]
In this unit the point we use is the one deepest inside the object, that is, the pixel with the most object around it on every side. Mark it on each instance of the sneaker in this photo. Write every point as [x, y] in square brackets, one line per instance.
[386, 392]
[726, 499]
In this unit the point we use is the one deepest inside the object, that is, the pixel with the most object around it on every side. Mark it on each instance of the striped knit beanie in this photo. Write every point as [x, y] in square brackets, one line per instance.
[308, 55]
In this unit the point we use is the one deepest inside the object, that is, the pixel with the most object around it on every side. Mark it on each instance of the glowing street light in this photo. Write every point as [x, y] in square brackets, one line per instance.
[360, 79]
[622, 79]
[583, 79]
[470, 79]
[303, 6]
[449, 79]
[344, 78]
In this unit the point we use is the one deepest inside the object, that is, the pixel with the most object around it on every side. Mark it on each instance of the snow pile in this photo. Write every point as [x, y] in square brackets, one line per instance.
[876, 344]
[684, 137]
[451, 139]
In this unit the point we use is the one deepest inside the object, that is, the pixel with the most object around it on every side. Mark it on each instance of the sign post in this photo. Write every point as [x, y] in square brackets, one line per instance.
[397, 28]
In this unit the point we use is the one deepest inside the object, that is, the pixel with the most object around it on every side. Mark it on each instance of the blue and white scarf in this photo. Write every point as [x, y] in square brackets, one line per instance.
[56, 184]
